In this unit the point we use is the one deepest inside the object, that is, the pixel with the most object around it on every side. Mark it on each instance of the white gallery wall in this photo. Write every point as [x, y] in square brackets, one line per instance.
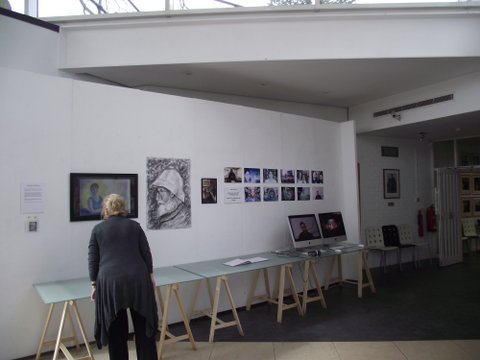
[416, 185]
[415, 157]
[28, 47]
[52, 126]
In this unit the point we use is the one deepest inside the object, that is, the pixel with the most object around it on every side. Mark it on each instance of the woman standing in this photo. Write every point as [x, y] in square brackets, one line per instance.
[120, 269]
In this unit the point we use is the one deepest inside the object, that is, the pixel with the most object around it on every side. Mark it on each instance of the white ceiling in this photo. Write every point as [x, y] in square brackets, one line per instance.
[339, 83]
[457, 126]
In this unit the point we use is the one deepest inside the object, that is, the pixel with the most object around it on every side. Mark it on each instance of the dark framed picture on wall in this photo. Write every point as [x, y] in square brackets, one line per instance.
[466, 207]
[476, 207]
[475, 183]
[87, 191]
[391, 183]
[466, 184]
[209, 191]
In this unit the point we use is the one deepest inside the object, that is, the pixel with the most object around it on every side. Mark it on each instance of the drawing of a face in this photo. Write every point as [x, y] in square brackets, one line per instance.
[169, 191]
[165, 200]
[163, 195]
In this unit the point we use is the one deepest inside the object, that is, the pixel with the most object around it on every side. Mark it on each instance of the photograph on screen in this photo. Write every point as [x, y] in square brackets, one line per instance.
[304, 230]
[332, 226]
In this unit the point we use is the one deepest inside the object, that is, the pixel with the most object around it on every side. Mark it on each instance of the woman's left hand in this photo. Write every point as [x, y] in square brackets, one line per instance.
[93, 293]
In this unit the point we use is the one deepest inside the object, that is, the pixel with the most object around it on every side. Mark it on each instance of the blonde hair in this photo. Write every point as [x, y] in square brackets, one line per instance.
[113, 205]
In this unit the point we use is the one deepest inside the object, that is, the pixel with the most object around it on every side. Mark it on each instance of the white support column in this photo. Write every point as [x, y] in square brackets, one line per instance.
[31, 8]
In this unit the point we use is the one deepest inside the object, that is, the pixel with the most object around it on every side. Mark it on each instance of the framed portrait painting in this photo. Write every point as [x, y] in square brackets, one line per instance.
[87, 191]
[391, 183]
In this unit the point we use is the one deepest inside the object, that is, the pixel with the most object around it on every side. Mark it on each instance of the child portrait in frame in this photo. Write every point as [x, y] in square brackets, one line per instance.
[391, 183]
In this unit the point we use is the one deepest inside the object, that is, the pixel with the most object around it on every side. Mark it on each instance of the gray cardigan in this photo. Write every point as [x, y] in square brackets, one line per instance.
[120, 262]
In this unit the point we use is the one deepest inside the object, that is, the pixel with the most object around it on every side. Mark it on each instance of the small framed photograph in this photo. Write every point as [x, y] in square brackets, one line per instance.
[287, 176]
[303, 177]
[303, 193]
[252, 193]
[391, 183]
[87, 191]
[475, 183]
[232, 174]
[317, 177]
[270, 194]
[476, 207]
[317, 193]
[270, 176]
[252, 175]
[466, 207]
[209, 191]
[288, 193]
[465, 184]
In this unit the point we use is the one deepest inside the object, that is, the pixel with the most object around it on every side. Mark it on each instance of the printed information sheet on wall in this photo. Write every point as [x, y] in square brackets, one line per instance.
[32, 198]
[233, 195]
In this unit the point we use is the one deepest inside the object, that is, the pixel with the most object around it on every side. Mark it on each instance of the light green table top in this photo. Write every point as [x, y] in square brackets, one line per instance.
[76, 289]
[344, 248]
[173, 275]
[64, 290]
[216, 267]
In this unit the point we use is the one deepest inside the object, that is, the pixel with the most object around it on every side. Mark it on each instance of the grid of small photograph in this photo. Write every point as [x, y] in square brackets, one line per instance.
[274, 185]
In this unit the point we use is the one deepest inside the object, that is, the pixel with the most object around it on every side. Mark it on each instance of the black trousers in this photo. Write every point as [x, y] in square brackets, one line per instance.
[118, 337]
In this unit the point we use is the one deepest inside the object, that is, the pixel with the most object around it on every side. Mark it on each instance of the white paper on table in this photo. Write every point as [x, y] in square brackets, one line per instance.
[239, 261]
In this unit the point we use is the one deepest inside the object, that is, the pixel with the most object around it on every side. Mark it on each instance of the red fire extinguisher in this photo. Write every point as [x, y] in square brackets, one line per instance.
[431, 219]
[420, 223]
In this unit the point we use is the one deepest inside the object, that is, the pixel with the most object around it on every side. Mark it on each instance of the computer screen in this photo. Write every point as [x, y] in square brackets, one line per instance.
[333, 227]
[304, 230]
